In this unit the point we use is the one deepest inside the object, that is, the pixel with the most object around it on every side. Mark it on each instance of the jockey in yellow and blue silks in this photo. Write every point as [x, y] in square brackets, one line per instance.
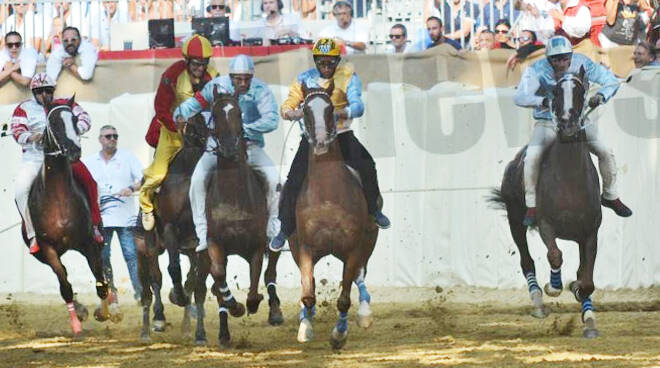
[536, 82]
[347, 101]
[259, 110]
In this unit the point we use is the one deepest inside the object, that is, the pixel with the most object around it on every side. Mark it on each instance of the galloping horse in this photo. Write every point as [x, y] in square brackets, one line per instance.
[174, 232]
[61, 214]
[332, 219]
[237, 215]
[568, 201]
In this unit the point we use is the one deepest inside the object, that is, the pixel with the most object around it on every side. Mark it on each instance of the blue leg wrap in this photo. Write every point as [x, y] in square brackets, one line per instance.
[532, 284]
[305, 314]
[555, 279]
[586, 305]
[342, 322]
[364, 294]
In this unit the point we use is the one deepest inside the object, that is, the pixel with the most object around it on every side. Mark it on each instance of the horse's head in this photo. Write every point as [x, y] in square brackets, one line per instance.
[568, 102]
[61, 135]
[228, 123]
[320, 124]
[196, 132]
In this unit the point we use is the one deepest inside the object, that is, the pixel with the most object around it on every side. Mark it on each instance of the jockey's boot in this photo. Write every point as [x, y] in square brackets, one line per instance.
[619, 208]
[98, 236]
[34, 246]
[148, 221]
[277, 243]
[530, 217]
[381, 220]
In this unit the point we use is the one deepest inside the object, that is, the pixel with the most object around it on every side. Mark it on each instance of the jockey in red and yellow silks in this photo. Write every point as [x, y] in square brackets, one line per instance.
[179, 82]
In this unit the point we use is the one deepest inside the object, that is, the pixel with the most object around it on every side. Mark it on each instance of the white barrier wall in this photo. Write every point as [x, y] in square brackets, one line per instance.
[438, 154]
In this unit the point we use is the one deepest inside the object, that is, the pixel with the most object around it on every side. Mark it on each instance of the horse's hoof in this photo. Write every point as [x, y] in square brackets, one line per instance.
[81, 311]
[115, 313]
[100, 316]
[178, 298]
[551, 291]
[540, 312]
[224, 342]
[275, 317]
[159, 326]
[145, 338]
[305, 331]
[590, 333]
[201, 342]
[253, 304]
[338, 339]
[237, 310]
[364, 316]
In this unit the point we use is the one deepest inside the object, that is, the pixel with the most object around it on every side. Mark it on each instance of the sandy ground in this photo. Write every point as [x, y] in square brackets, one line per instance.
[414, 327]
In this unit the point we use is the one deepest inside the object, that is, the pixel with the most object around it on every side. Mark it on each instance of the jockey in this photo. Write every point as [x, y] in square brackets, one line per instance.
[537, 81]
[27, 126]
[347, 102]
[259, 109]
[179, 82]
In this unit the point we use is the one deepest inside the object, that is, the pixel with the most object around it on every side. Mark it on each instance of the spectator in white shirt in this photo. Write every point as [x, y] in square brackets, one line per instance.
[536, 17]
[574, 20]
[18, 63]
[346, 32]
[399, 40]
[118, 174]
[277, 25]
[67, 55]
[112, 12]
[28, 24]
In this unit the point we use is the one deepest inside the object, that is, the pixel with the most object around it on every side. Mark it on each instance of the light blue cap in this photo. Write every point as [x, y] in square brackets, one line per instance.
[241, 64]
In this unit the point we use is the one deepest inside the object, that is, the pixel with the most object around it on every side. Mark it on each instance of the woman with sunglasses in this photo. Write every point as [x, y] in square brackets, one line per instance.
[18, 63]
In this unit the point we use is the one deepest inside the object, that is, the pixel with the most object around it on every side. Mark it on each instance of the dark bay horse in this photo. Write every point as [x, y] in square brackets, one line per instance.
[568, 201]
[331, 219]
[60, 212]
[237, 214]
[174, 232]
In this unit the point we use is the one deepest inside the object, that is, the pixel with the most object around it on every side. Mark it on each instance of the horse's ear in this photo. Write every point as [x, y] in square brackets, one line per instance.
[72, 100]
[581, 73]
[331, 87]
[305, 90]
[215, 92]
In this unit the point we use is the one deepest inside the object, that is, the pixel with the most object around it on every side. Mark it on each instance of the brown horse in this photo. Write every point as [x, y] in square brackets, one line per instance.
[61, 214]
[568, 202]
[174, 232]
[331, 219]
[237, 215]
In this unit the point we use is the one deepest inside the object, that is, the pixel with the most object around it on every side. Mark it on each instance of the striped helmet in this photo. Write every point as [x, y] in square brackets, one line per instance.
[41, 80]
[241, 64]
[197, 47]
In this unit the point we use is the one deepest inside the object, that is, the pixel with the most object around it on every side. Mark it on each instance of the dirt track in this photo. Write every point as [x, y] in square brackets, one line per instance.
[413, 328]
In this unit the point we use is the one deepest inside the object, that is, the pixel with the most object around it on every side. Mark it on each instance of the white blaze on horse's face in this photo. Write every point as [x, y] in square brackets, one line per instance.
[227, 109]
[318, 106]
[67, 118]
[567, 88]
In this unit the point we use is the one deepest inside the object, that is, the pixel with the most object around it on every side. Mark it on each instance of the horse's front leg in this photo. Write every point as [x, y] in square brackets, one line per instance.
[584, 286]
[226, 301]
[92, 253]
[146, 296]
[203, 270]
[270, 279]
[555, 286]
[308, 299]
[177, 295]
[53, 260]
[253, 297]
[351, 271]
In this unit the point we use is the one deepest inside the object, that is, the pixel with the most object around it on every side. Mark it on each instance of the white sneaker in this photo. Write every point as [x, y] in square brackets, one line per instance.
[148, 221]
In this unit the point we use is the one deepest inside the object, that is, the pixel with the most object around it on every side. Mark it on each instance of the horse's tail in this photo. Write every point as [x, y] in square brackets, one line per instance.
[496, 199]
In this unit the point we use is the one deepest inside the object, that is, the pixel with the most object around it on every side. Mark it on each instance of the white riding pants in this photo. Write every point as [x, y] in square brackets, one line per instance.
[542, 137]
[29, 170]
[258, 160]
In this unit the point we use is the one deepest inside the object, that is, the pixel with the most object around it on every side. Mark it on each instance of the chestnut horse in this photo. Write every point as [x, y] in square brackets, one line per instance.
[237, 214]
[568, 201]
[331, 219]
[61, 214]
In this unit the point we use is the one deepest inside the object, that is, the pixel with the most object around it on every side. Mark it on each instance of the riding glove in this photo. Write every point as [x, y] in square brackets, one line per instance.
[596, 100]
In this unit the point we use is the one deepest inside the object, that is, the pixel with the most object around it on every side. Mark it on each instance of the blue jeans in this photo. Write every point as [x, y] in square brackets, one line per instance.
[130, 256]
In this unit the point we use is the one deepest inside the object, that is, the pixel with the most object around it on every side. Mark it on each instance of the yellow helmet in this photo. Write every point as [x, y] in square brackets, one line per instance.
[326, 47]
[197, 47]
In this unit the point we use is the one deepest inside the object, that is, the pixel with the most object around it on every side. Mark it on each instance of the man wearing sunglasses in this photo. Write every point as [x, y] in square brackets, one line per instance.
[219, 8]
[535, 87]
[259, 110]
[77, 55]
[118, 174]
[347, 101]
[27, 126]
[179, 82]
[18, 63]
[398, 39]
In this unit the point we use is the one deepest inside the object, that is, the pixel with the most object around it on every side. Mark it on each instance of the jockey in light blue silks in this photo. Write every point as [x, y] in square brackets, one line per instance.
[535, 87]
[260, 115]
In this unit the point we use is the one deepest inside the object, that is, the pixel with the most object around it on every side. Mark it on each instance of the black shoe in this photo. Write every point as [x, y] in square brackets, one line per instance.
[619, 208]
[277, 243]
[381, 220]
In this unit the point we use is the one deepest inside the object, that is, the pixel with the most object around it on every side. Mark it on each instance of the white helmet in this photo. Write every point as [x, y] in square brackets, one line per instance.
[41, 80]
[558, 45]
[241, 64]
